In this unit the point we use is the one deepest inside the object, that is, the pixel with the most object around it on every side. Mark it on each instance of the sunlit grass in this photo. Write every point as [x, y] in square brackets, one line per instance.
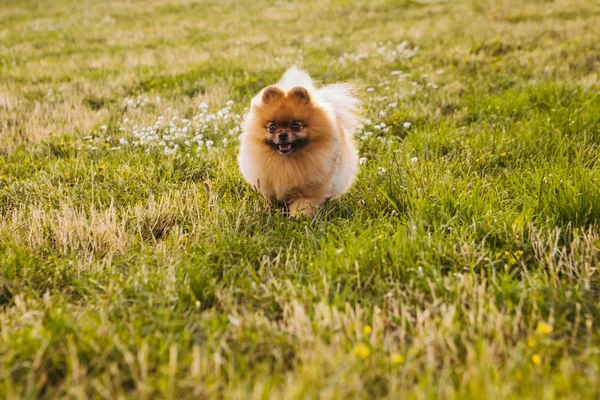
[136, 262]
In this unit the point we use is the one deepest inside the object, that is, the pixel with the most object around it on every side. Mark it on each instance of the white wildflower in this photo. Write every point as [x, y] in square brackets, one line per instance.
[381, 170]
[169, 151]
[362, 161]
[171, 136]
[414, 160]
[406, 125]
[370, 89]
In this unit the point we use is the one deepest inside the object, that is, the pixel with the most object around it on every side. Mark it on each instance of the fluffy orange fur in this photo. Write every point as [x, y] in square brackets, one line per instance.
[297, 145]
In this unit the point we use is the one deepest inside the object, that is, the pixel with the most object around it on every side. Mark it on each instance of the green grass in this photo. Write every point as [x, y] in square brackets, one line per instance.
[468, 269]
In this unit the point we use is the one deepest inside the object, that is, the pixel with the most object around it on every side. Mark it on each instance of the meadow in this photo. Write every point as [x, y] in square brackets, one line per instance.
[136, 263]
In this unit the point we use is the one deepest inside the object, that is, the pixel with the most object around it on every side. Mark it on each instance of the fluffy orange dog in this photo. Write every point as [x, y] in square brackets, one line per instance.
[297, 144]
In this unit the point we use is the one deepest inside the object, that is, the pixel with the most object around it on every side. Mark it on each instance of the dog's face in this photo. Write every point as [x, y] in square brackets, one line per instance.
[286, 122]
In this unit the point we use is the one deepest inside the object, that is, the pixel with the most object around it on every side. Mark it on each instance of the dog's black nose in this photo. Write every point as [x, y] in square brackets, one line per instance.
[283, 136]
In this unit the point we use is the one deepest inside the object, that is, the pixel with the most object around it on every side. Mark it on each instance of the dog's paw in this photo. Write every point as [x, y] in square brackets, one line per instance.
[302, 208]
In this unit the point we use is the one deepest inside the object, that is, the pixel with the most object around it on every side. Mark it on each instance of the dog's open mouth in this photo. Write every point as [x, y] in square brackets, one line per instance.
[285, 148]
[288, 147]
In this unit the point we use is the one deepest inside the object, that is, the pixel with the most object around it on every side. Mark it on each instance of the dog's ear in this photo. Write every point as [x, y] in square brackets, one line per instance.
[300, 94]
[271, 93]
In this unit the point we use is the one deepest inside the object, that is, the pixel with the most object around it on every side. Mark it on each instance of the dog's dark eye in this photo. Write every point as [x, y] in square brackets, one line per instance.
[296, 127]
[272, 128]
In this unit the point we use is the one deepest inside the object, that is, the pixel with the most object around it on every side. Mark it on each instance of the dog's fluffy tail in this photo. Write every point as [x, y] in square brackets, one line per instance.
[344, 103]
[296, 77]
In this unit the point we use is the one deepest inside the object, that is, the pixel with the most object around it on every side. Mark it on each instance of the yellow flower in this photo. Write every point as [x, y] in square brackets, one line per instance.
[513, 257]
[536, 359]
[503, 154]
[101, 167]
[543, 328]
[361, 351]
[367, 330]
[397, 359]
[518, 253]
[531, 342]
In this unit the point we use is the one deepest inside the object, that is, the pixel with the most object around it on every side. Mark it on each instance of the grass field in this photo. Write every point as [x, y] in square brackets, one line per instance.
[136, 263]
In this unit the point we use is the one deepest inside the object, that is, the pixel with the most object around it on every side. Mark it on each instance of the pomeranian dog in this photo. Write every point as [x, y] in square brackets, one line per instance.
[297, 145]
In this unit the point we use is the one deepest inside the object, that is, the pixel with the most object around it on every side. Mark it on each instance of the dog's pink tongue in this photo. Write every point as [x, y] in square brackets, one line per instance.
[285, 147]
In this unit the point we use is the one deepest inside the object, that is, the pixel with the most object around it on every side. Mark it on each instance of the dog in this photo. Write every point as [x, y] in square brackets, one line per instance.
[297, 144]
